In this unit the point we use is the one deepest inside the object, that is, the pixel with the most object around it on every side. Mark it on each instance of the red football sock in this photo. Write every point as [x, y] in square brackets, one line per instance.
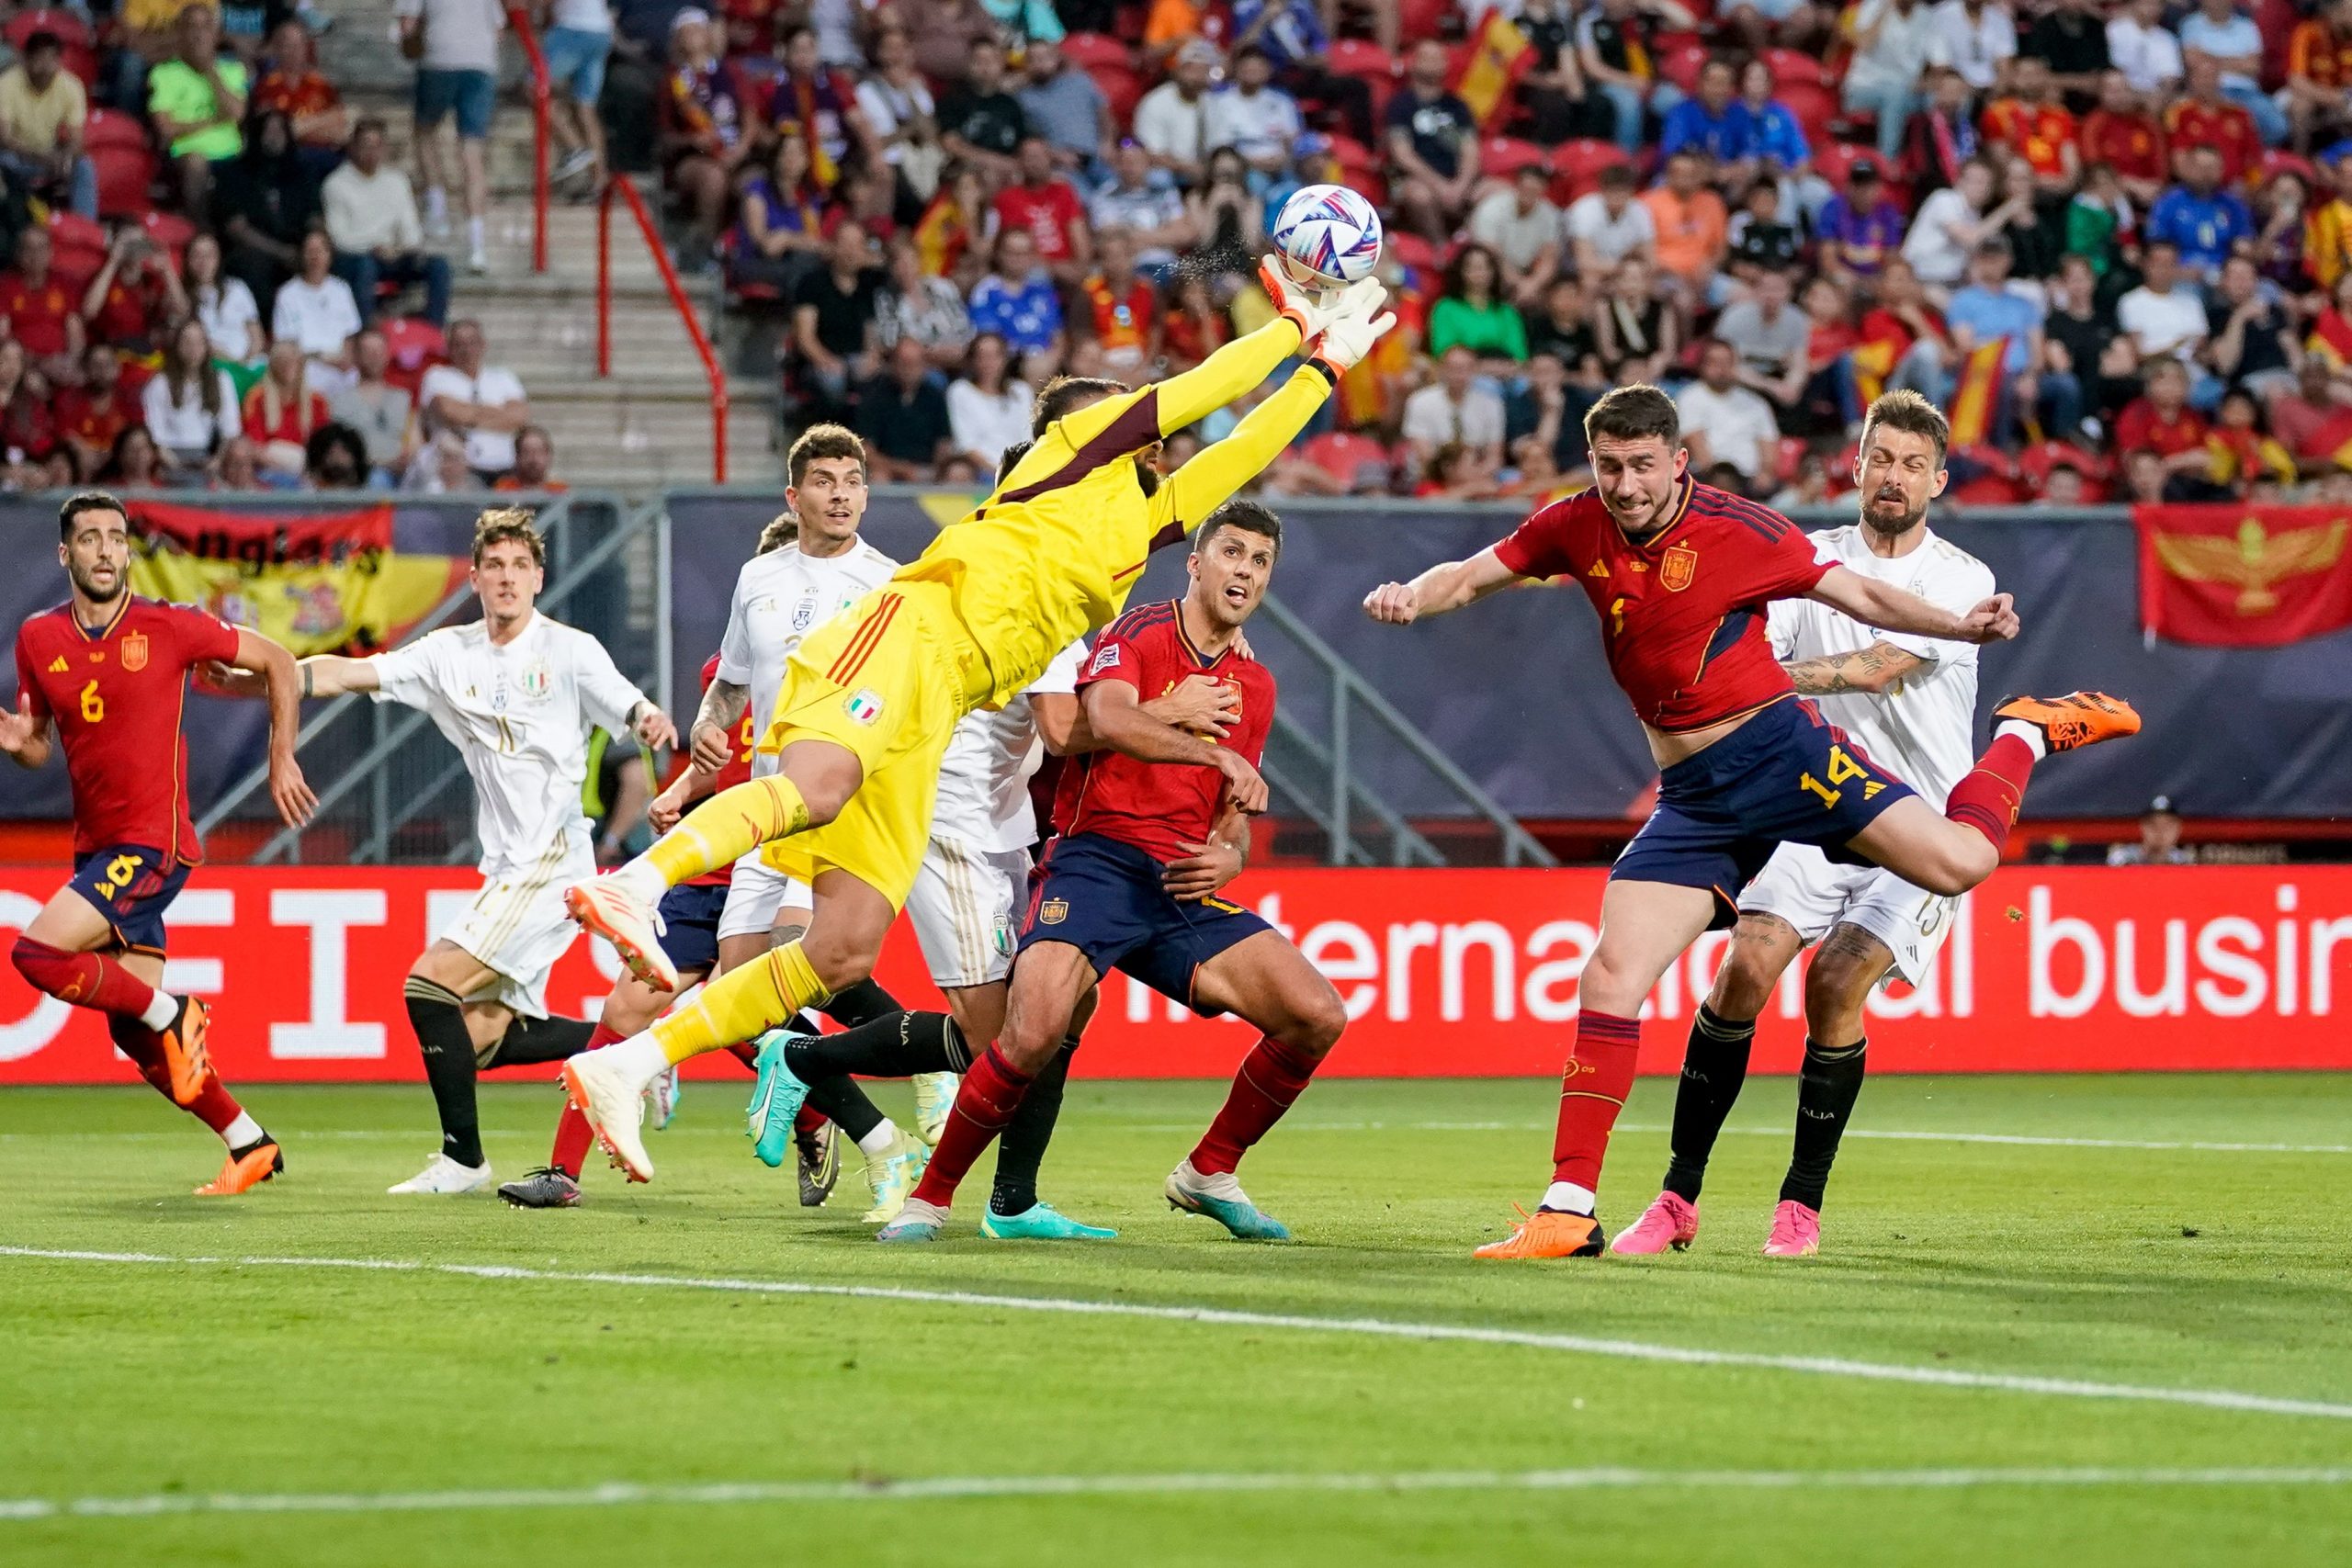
[1273, 1075]
[604, 1034]
[809, 1118]
[745, 1053]
[85, 979]
[573, 1137]
[991, 1094]
[1592, 1091]
[213, 1105]
[1988, 798]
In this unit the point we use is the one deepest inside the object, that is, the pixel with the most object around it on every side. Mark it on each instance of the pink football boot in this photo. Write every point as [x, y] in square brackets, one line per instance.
[1669, 1221]
[1796, 1231]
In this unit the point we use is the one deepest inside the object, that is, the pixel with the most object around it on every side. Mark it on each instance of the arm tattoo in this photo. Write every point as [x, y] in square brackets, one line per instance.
[1875, 668]
[722, 704]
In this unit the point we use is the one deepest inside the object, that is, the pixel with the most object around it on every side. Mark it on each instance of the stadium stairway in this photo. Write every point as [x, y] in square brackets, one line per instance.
[646, 426]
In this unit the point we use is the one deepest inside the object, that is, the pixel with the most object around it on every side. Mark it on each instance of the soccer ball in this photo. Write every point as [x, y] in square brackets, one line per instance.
[1327, 236]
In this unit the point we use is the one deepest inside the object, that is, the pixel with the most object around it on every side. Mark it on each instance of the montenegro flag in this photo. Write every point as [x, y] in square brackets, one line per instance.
[1976, 397]
[1498, 56]
[2243, 576]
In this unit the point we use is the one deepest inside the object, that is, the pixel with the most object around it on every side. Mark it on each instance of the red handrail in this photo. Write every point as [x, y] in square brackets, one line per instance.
[627, 189]
[542, 99]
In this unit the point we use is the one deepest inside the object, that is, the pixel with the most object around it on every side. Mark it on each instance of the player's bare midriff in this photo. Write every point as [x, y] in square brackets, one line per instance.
[1668, 747]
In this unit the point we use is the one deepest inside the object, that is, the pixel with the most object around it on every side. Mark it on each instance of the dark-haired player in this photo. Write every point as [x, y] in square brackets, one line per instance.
[1128, 885]
[109, 670]
[1681, 575]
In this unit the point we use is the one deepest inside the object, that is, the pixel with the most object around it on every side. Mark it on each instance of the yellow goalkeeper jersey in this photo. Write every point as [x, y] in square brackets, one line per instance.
[1054, 553]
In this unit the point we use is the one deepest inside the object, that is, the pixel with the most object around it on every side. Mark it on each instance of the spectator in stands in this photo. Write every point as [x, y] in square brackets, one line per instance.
[1861, 228]
[1227, 217]
[1150, 209]
[2286, 231]
[455, 44]
[295, 87]
[1062, 103]
[439, 467]
[1018, 303]
[1254, 117]
[1948, 224]
[1550, 407]
[920, 309]
[196, 101]
[2159, 841]
[1295, 39]
[944, 33]
[1990, 308]
[2301, 417]
[283, 409]
[1520, 226]
[779, 237]
[1639, 332]
[2034, 122]
[2203, 117]
[484, 404]
[1432, 147]
[224, 304]
[988, 407]
[1026, 23]
[316, 312]
[2070, 39]
[835, 338]
[1472, 312]
[2164, 315]
[820, 105]
[1942, 137]
[383, 414]
[1693, 232]
[94, 415]
[1552, 92]
[1047, 206]
[897, 102]
[1170, 120]
[578, 42]
[1704, 125]
[1977, 39]
[1193, 327]
[2101, 222]
[1903, 330]
[44, 111]
[979, 122]
[1564, 330]
[239, 467]
[190, 407]
[2075, 331]
[2203, 222]
[1894, 42]
[534, 469]
[2248, 342]
[1772, 340]
[267, 201]
[2319, 75]
[1121, 310]
[1617, 51]
[1607, 225]
[135, 463]
[1725, 423]
[378, 235]
[1759, 239]
[135, 297]
[2142, 47]
[334, 458]
[2163, 422]
[952, 237]
[1454, 407]
[2124, 135]
[1457, 471]
[705, 131]
[25, 420]
[1772, 143]
[903, 416]
[40, 313]
[2228, 38]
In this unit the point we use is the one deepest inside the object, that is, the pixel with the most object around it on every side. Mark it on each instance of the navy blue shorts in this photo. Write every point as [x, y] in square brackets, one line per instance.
[471, 95]
[690, 925]
[1787, 776]
[1104, 898]
[132, 886]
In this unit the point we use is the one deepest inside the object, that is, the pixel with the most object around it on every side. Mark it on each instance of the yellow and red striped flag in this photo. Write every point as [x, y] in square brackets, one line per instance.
[1500, 55]
[1976, 397]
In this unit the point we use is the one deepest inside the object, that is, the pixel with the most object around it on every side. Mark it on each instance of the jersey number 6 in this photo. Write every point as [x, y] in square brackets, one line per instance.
[93, 706]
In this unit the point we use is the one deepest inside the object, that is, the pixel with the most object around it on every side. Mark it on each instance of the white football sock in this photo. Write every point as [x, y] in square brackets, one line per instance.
[643, 879]
[882, 1140]
[436, 204]
[1568, 1197]
[640, 1056]
[2029, 733]
[160, 1010]
[243, 1131]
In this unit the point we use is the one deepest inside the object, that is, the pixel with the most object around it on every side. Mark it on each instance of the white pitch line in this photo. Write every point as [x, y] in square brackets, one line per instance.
[1385, 1329]
[625, 1494]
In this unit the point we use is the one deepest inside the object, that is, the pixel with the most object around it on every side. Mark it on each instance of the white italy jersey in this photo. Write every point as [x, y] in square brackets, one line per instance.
[1922, 730]
[984, 778]
[780, 597]
[519, 715]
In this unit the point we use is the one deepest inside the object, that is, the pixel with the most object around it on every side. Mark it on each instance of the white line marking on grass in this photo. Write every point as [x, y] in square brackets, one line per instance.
[625, 1494]
[1443, 1333]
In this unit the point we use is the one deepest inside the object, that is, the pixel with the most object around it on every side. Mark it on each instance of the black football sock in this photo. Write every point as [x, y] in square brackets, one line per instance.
[861, 1003]
[844, 1104]
[1021, 1149]
[896, 1045]
[1826, 1093]
[532, 1039]
[438, 1017]
[1714, 1066]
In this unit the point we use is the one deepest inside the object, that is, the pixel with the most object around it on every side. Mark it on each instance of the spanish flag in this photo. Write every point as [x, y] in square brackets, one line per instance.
[1977, 395]
[1363, 393]
[942, 234]
[2331, 339]
[1500, 55]
[1873, 362]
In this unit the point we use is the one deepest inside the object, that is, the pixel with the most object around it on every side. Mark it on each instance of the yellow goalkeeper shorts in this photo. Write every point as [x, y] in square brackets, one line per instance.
[887, 679]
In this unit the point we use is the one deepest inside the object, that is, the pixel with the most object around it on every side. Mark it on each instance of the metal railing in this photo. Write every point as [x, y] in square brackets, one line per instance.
[625, 188]
[542, 107]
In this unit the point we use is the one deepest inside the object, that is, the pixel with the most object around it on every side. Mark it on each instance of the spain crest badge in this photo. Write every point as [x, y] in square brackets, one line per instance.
[134, 652]
[1677, 566]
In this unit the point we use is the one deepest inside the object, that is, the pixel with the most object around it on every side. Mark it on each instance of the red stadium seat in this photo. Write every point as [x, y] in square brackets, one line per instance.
[1577, 165]
[1834, 161]
[170, 230]
[1090, 49]
[1410, 250]
[416, 345]
[1358, 462]
[126, 180]
[1815, 108]
[109, 128]
[1793, 66]
[67, 231]
[1369, 63]
[1503, 157]
[2276, 161]
[1122, 87]
[71, 31]
[2037, 461]
[1419, 19]
[1682, 64]
[1361, 168]
[1787, 458]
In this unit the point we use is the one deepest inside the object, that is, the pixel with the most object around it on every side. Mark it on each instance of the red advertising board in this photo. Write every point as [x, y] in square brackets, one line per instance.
[1445, 973]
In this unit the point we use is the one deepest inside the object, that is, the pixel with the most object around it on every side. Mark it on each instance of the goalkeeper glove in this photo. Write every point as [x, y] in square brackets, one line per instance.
[1309, 309]
[1351, 337]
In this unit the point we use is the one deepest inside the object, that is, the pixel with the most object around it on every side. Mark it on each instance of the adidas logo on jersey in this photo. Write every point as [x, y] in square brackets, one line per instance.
[57, 665]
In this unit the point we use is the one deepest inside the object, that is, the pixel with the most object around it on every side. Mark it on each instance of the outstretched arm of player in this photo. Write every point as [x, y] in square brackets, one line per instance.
[1889, 609]
[24, 734]
[1872, 669]
[287, 788]
[1447, 586]
[1119, 722]
[332, 675]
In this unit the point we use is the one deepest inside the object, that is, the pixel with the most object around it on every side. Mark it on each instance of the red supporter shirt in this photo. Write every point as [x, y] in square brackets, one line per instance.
[96, 421]
[37, 316]
[131, 315]
[2041, 132]
[737, 772]
[2225, 127]
[2141, 426]
[1162, 808]
[1682, 612]
[1121, 321]
[117, 697]
[2132, 144]
[1047, 213]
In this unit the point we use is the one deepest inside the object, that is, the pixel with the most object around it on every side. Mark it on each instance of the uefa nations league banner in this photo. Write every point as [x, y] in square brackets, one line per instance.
[1445, 973]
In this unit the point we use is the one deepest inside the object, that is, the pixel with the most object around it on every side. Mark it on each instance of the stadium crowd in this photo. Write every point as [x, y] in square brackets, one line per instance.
[2113, 240]
[217, 278]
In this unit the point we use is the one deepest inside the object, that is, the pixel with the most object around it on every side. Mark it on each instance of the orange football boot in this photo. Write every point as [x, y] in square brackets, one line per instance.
[1548, 1232]
[2074, 720]
[183, 1053]
[243, 1172]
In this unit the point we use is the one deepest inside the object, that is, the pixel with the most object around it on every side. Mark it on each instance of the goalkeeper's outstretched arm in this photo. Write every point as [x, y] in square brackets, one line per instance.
[1206, 482]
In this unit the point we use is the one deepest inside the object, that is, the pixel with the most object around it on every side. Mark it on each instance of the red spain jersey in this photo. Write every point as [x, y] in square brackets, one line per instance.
[737, 770]
[2132, 144]
[1681, 613]
[2141, 426]
[36, 316]
[2041, 132]
[1121, 321]
[2316, 54]
[118, 696]
[2223, 126]
[1159, 807]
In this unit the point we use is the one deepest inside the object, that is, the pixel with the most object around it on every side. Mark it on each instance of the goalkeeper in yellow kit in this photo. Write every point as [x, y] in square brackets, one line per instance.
[871, 697]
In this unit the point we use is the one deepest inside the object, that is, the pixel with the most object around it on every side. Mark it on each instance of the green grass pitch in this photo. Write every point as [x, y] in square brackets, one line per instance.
[251, 1410]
